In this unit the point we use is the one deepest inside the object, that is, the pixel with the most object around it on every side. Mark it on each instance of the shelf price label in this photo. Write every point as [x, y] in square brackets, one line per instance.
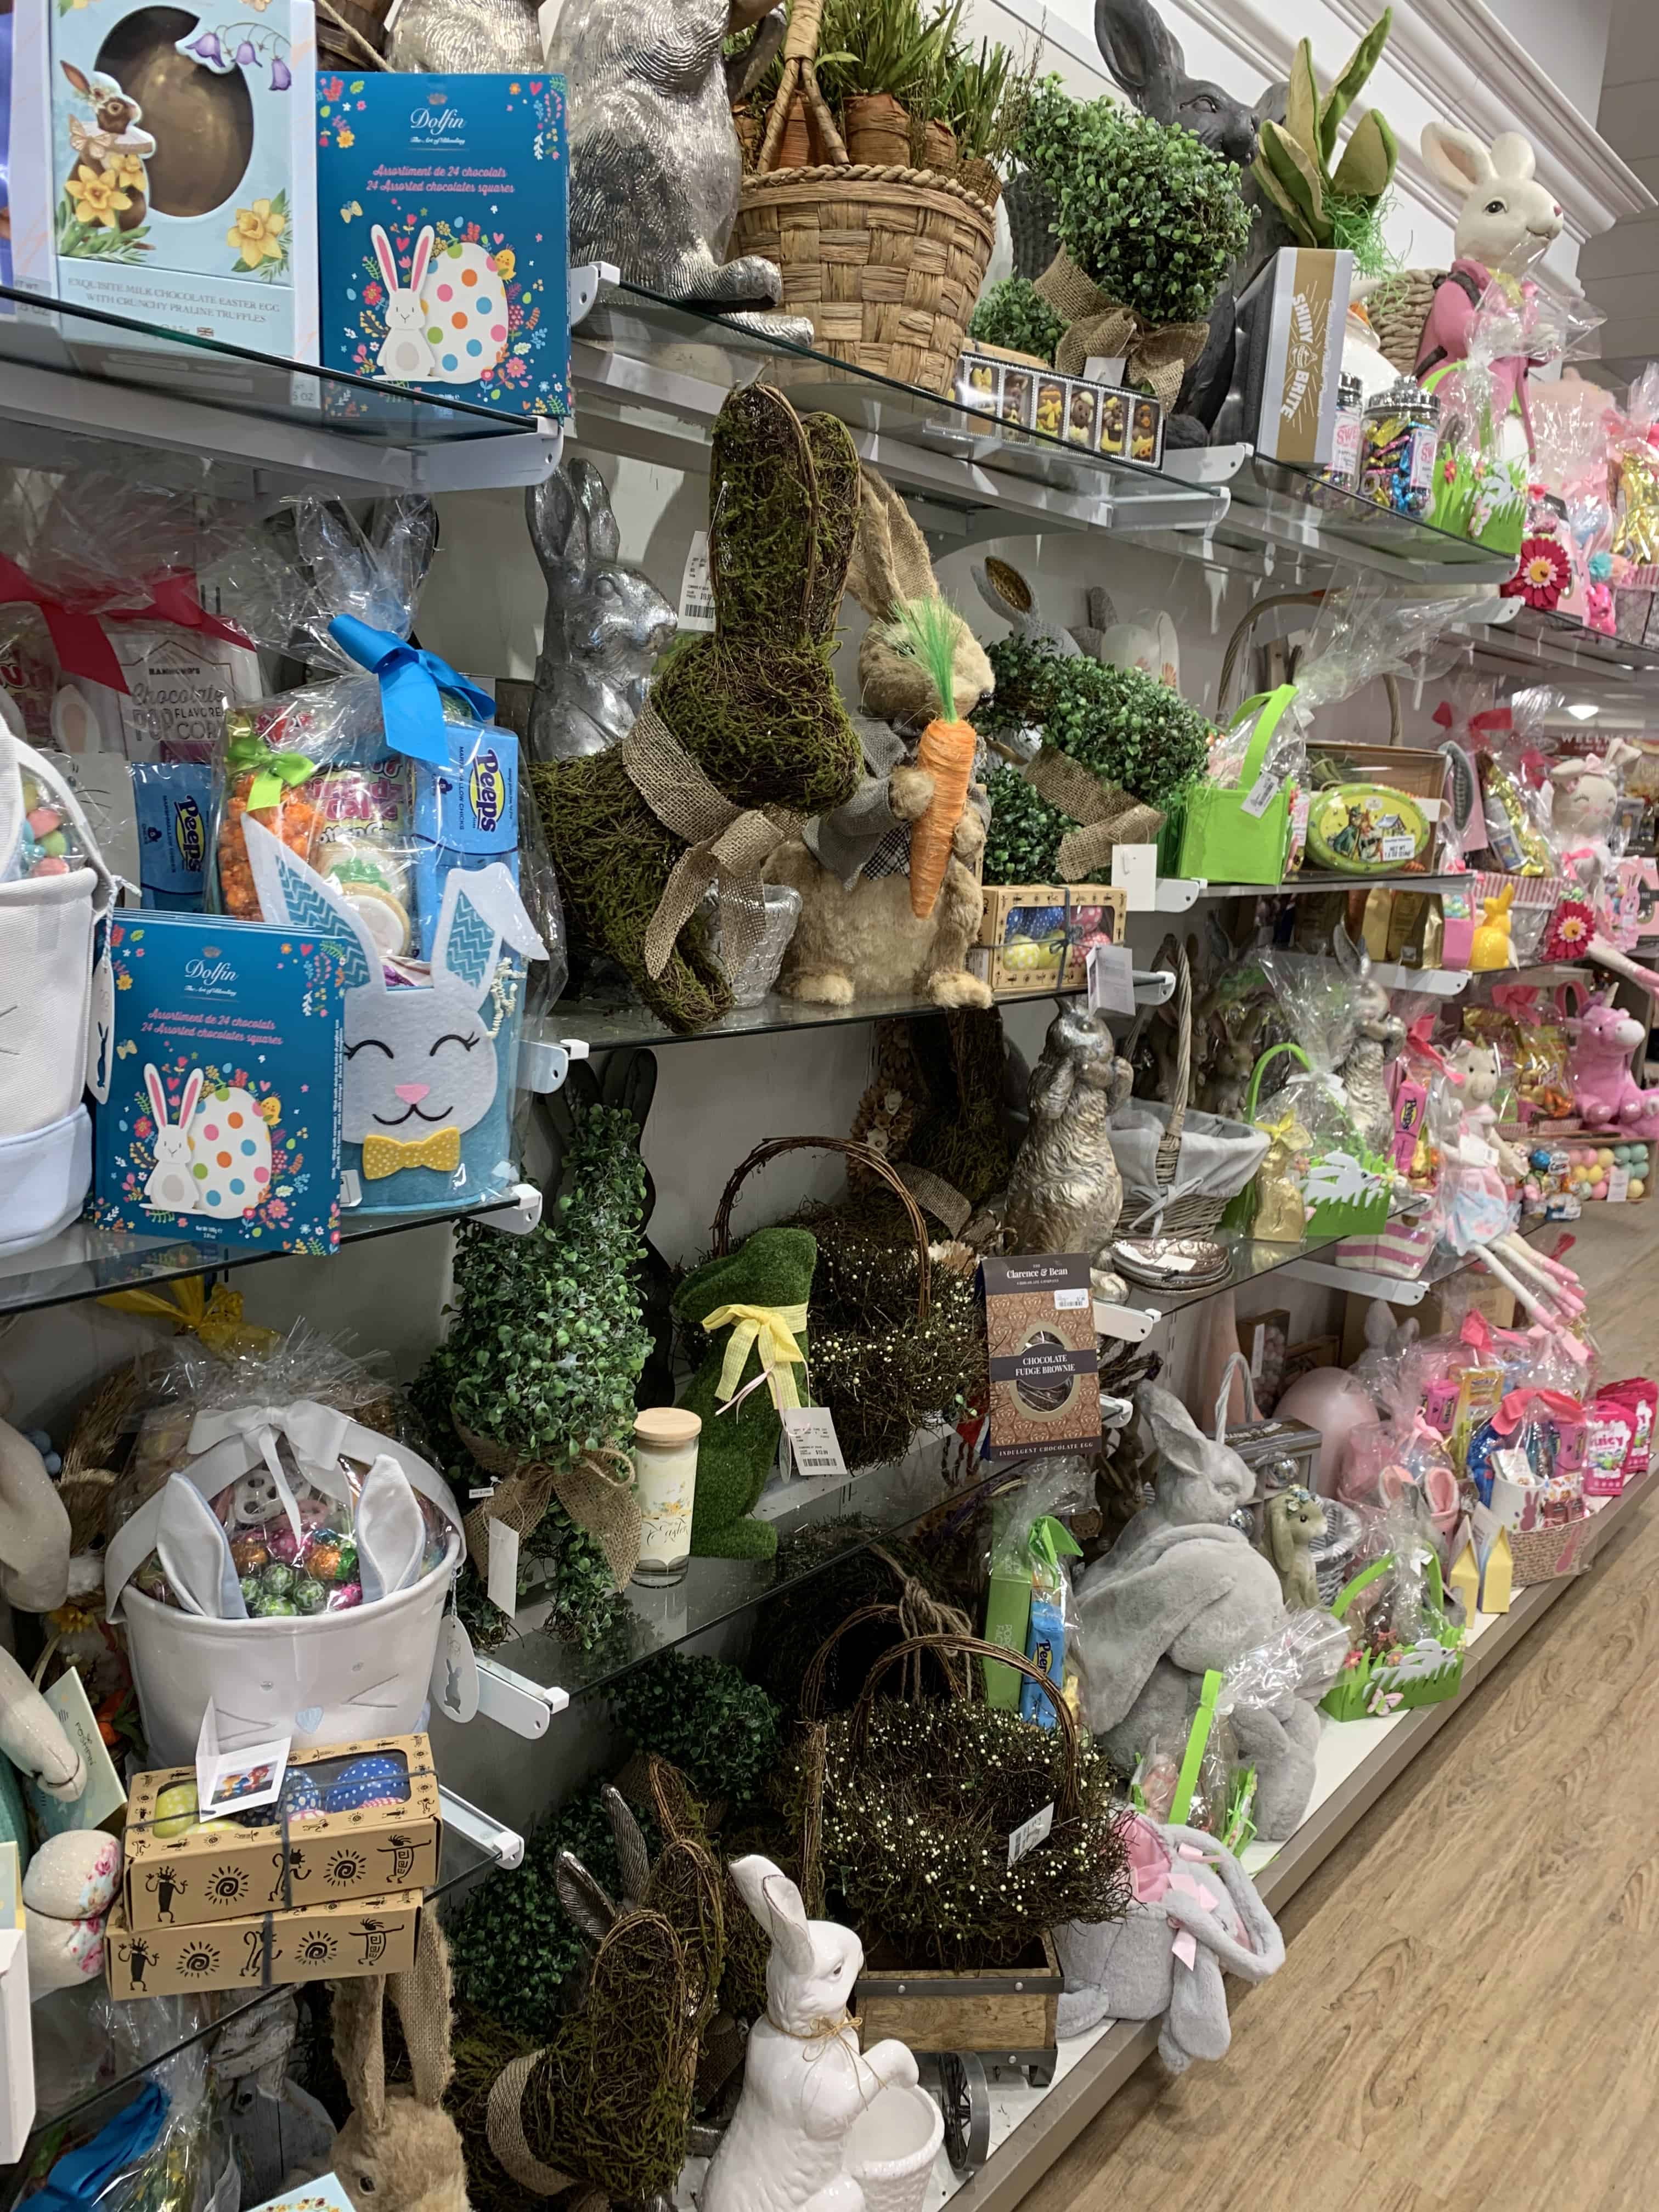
[812, 1439]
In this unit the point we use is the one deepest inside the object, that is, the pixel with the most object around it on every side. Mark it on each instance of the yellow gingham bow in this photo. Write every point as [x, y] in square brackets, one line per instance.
[771, 1327]
[384, 1156]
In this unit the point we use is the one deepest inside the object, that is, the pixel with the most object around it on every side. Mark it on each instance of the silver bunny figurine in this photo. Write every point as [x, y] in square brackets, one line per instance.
[605, 623]
[446, 38]
[1065, 1193]
[656, 176]
[1372, 1036]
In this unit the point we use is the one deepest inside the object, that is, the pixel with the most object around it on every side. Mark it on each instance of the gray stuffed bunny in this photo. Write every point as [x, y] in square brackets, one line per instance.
[1182, 1591]
[1186, 1885]
[605, 623]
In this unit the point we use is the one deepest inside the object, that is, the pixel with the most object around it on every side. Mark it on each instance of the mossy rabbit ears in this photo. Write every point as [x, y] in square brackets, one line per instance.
[773, 1267]
[783, 510]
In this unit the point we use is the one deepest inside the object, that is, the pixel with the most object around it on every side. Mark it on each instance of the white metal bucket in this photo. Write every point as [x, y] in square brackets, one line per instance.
[330, 1678]
[891, 2147]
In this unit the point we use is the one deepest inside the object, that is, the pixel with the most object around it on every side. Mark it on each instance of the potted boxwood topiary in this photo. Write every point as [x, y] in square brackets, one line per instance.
[1014, 316]
[1150, 221]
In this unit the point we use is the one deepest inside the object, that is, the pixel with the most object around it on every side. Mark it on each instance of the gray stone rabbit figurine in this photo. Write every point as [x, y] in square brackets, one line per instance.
[605, 624]
[1065, 1193]
[656, 175]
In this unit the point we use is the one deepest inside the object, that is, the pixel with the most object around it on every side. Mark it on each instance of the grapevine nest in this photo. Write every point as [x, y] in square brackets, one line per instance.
[919, 1801]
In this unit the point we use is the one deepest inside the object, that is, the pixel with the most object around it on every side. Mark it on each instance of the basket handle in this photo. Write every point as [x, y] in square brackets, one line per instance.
[812, 1681]
[721, 1233]
[1252, 1095]
[1068, 1799]
[1169, 1147]
[1236, 646]
[800, 46]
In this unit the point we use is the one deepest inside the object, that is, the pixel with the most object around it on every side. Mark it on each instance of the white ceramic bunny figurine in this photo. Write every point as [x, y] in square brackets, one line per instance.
[804, 2082]
[405, 353]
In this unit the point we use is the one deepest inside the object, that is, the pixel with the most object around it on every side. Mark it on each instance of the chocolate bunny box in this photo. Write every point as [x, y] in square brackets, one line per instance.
[182, 181]
[223, 1117]
[442, 208]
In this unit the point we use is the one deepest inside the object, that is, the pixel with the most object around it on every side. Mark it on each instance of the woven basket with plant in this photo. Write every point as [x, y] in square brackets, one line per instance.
[886, 257]
[908, 1831]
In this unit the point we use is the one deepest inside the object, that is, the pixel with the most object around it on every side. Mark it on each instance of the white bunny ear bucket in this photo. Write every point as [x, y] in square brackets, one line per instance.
[328, 1677]
[55, 1009]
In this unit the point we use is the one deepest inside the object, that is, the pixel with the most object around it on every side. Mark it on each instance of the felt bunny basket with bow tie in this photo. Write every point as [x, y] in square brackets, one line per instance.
[270, 1499]
[430, 1054]
[56, 997]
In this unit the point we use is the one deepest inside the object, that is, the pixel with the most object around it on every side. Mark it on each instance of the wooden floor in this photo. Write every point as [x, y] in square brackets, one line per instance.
[1468, 2016]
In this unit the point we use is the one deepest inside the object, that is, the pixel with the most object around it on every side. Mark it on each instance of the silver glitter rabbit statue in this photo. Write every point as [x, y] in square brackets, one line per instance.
[1065, 1193]
[605, 623]
[656, 176]
[445, 38]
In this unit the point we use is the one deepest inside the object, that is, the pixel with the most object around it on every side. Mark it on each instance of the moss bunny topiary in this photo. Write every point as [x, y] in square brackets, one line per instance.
[754, 705]
[772, 1267]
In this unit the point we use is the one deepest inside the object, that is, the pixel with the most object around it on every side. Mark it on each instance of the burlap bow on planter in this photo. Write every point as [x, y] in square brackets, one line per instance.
[1107, 815]
[596, 1491]
[1155, 354]
[727, 845]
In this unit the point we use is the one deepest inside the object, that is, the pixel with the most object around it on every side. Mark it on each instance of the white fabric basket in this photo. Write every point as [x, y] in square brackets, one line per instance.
[1217, 1157]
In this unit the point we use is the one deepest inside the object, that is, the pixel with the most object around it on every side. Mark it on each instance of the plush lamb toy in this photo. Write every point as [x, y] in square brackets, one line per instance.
[1182, 1591]
[1196, 1915]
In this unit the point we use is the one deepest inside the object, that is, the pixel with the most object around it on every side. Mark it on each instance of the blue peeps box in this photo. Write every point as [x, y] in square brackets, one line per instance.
[442, 253]
[173, 803]
[223, 1119]
[466, 814]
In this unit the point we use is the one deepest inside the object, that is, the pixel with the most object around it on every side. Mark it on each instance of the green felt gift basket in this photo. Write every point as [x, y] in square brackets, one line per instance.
[1344, 1190]
[1221, 837]
[1425, 1672]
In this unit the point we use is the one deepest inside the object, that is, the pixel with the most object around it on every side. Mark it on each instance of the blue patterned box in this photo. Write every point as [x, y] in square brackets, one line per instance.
[442, 253]
[223, 1119]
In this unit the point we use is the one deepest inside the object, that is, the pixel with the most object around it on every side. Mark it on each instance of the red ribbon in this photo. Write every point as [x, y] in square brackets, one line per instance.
[1490, 721]
[1553, 1405]
[77, 634]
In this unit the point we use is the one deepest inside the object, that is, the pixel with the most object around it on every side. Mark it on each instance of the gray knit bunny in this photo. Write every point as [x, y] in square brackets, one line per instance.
[605, 623]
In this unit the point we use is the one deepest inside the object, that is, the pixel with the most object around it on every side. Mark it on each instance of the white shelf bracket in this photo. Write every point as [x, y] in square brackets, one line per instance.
[514, 1702]
[586, 279]
[543, 1065]
[505, 1845]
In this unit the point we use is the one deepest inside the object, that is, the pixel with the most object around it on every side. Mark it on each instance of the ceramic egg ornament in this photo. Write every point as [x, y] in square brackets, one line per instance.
[69, 1886]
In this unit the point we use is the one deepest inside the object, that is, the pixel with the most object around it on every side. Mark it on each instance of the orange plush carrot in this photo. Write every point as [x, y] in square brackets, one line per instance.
[928, 629]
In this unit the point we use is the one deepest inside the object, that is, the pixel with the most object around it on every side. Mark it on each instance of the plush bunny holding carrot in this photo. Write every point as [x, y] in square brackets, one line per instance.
[889, 896]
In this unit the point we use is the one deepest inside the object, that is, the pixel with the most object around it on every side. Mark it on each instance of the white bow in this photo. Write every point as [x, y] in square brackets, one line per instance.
[225, 1446]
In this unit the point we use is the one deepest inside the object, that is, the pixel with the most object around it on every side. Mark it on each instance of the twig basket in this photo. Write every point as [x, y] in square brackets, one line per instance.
[886, 261]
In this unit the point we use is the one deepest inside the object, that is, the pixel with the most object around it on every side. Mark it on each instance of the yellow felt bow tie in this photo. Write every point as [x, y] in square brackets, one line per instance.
[384, 1156]
[771, 1327]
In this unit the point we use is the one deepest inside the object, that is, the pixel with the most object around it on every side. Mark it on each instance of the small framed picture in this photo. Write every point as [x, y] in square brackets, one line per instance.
[1113, 423]
[1081, 403]
[1146, 432]
[978, 384]
[1018, 399]
[1051, 405]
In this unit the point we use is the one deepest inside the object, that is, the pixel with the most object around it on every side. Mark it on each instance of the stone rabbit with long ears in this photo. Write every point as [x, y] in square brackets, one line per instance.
[605, 623]
[857, 936]
[804, 2082]
[656, 175]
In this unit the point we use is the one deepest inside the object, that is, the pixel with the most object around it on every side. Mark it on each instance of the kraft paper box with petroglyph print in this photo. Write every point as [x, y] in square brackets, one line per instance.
[220, 1870]
[1290, 324]
[264, 1950]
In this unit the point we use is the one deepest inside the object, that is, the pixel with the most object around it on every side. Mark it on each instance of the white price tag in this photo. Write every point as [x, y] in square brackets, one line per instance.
[1111, 980]
[1072, 1301]
[501, 1583]
[1262, 793]
[455, 1670]
[696, 587]
[1397, 849]
[1258, 1350]
[1030, 1833]
[812, 1433]
[1135, 869]
[1618, 1186]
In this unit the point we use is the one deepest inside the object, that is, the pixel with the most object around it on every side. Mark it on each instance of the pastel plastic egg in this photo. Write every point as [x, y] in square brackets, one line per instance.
[54, 844]
[1637, 1186]
[43, 820]
[1604, 1158]
[376, 1780]
[1638, 1155]
[1598, 1190]
[1622, 1155]
[175, 1809]
[73, 1876]
[51, 866]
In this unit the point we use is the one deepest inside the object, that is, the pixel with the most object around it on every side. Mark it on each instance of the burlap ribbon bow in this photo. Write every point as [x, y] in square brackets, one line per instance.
[1155, 355]
[596, 1491]
[727, 845]
[1107, 815]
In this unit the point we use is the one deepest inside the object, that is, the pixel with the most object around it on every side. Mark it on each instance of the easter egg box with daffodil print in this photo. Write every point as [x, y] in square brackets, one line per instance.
[182, 175]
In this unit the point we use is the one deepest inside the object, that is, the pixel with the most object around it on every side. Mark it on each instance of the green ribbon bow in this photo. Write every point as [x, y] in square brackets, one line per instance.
[272, 773]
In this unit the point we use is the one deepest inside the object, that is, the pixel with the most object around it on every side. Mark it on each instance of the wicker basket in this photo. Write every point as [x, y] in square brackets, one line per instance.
[887, 262]
[1398, 316]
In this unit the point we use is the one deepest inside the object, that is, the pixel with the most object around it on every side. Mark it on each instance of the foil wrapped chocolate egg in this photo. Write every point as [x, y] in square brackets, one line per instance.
[309, 1596]
[252, 1591]
[271, 1607]
[344, 1595]
[284, 1544]
[277, 1580]
[322, 1556]
[250, 1552]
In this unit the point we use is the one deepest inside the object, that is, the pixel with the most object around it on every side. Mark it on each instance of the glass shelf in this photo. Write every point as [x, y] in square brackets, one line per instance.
[86, 1262]
[607, 1020]
[651, 373]
[1537, 639]
[91, 2054]
[230, 404]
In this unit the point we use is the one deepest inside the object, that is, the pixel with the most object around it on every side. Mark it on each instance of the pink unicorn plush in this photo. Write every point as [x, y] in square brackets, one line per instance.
[1607, 1094]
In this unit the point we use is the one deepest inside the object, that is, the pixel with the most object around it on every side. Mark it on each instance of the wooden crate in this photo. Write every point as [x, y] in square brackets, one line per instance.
[1005, 2012]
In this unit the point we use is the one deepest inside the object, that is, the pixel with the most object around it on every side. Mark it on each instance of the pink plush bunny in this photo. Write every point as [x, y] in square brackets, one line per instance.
[1607, 1094]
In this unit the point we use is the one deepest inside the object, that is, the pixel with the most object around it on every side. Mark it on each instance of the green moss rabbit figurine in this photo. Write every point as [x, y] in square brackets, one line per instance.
[772, 1269]
[754, 705]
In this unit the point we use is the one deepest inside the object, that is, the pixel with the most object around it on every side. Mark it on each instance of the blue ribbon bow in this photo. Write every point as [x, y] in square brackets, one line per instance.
[411, 685]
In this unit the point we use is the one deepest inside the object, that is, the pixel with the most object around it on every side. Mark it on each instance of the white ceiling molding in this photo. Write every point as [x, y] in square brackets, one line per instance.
[1454, 55]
